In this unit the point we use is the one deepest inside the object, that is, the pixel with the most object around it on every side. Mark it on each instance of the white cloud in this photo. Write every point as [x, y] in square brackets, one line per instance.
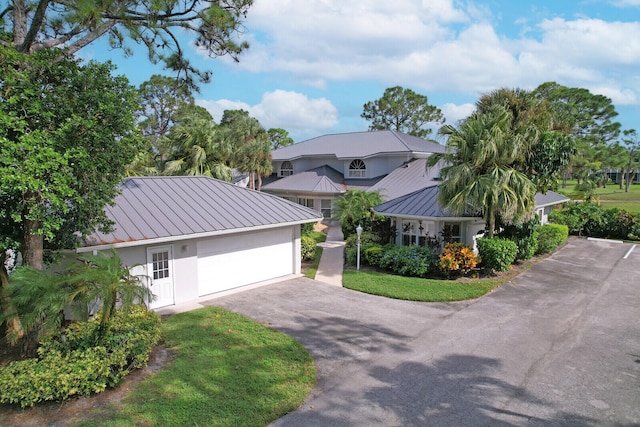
[293, 111]
[626, 3]
[438, 46]
[454, 113]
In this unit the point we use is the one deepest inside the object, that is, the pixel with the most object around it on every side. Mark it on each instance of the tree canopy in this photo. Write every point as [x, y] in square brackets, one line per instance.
[66, 134]
[158, 25]
[480, 174]
[403, 110]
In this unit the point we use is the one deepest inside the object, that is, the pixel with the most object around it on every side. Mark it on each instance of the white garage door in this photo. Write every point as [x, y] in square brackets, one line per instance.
[239, 260]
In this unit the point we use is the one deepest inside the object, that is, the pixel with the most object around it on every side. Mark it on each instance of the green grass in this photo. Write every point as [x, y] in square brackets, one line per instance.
[610, 197]
[318, 236]
[311, 270]
[226, 370]
[417, 289]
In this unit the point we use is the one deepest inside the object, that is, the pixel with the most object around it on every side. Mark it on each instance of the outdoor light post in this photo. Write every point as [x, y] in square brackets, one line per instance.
[359, 231]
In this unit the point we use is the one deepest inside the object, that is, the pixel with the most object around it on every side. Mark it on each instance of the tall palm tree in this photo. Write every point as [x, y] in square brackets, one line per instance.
[480, 175]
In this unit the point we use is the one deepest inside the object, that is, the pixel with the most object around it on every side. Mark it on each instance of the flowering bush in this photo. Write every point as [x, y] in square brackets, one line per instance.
[457, 257]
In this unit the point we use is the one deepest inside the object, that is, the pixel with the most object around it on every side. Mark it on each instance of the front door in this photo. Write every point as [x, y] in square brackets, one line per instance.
[160, 268]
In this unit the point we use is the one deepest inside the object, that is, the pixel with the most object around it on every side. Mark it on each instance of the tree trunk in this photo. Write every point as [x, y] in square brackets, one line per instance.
[623, 178]
[259, 182]
[630, 178]
[33, 247]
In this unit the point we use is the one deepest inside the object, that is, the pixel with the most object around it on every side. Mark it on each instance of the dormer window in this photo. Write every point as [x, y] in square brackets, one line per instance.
[286, 169]
[357, 169]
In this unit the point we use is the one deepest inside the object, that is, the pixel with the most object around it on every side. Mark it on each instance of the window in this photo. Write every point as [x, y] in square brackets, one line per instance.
[306, 202]
[357, 169]
[286, 169]
[325, 207]
[160, 265]
[451, 232]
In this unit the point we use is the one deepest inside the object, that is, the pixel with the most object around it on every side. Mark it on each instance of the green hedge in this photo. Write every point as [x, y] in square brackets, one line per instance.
[71, 363]
[408, 260]
[550, 236]
[497, 254]
[308, 247]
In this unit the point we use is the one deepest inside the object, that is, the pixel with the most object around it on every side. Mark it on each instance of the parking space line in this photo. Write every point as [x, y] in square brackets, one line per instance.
[629, 251]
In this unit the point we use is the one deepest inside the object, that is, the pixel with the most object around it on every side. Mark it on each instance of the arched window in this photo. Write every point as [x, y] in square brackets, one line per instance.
[357, 169]
[286, 169]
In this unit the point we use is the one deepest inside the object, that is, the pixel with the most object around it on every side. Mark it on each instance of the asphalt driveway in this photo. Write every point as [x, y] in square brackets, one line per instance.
[560, 345]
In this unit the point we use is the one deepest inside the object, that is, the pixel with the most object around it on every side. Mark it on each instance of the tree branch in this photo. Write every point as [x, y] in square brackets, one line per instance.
[36, 24]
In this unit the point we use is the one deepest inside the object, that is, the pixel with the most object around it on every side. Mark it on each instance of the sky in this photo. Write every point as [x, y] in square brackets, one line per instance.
[313, 64]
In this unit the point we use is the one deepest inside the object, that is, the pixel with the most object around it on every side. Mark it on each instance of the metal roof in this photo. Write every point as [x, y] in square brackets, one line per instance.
[323, 179]
[424, 203]
[421, 203]
[549, 199]
[358, 145]
[175, 207]
[408, 178]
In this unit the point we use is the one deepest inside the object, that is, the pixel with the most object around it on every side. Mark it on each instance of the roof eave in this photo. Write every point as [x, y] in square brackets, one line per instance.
[168, 239]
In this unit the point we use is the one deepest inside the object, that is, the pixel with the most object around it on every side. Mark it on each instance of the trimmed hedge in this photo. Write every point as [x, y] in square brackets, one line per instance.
[408, 260]
[307, 247]
[589, 219]
[497, 254]
[550, 236]
[71, 363]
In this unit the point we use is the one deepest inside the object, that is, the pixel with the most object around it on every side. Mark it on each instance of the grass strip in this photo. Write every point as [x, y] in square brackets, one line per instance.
[418, 289]
[311, 270]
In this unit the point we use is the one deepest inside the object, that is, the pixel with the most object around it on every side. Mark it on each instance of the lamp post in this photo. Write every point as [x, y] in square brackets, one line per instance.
[359, 232]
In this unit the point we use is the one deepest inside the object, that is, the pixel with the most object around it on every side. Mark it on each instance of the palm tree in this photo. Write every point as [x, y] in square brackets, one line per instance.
[103, 279]
[33, 302]
[480, 175]
[354, 208]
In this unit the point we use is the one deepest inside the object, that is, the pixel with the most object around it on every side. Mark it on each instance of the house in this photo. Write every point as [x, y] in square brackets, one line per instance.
[194, 236]
[318, 171]
[419, 219]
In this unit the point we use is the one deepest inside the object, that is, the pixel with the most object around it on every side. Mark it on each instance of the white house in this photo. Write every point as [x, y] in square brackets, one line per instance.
[194, 236]
[316, 172]
[418, 217]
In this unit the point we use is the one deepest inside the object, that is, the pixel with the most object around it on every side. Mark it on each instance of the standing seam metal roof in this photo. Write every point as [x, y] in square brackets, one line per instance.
[160, 207]
[358, 145]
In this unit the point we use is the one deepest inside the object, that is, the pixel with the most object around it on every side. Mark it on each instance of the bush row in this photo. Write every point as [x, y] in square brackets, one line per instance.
[590, 219]
[455, 259]
[70, 363]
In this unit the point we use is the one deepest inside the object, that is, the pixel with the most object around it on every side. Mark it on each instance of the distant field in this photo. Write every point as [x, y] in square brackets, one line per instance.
[610, 197]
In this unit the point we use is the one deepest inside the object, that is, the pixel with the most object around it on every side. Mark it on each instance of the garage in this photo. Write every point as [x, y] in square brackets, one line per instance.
[230, 262]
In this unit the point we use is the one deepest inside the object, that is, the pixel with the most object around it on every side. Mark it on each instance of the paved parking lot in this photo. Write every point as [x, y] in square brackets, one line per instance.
[560, 345]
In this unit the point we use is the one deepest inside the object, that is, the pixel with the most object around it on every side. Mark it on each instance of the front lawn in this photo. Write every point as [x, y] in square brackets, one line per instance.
[225, 370]
[418, 289]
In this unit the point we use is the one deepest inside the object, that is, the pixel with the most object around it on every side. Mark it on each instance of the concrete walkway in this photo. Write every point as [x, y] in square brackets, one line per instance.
[332, 261]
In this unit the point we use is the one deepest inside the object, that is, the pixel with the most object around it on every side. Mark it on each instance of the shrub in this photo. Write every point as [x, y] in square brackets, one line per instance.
[550, 236]
[408, 260]
[497, 254]
[71, 364]
[307, 227]
[308, 247]
[366, 238]
[373, 255]
[523, 235]
[457, 258]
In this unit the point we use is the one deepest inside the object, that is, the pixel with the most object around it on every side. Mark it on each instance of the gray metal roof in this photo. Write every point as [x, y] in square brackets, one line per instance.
[421, 203]
[549, 199]
[358, 145]
[323, 179]
[190, 206]
[424, 203]
[408, 178]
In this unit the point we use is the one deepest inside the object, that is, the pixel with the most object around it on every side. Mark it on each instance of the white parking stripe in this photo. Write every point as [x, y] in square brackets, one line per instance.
[629, 251]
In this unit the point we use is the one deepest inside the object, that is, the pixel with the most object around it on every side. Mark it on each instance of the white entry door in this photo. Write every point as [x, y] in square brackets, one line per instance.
[160, 269]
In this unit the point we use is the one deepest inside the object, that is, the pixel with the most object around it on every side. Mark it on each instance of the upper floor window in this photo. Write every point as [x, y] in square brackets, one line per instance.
[357, 169]
[286, 169]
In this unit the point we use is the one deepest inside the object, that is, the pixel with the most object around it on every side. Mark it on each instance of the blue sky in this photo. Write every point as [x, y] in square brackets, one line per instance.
[313, 64]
